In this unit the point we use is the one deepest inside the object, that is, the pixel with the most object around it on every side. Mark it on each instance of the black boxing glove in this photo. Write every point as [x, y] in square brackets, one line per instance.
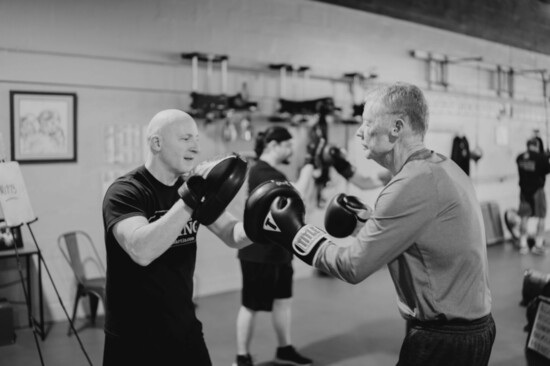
[344, 213]
[274, 214]
[339, 161]
[212, 186]
[192, 191]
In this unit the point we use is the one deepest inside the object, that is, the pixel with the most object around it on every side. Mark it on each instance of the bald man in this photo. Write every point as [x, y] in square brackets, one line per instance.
[151, 244]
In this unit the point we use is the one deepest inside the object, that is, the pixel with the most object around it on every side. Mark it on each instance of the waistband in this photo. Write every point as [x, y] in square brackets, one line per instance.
[454, 324]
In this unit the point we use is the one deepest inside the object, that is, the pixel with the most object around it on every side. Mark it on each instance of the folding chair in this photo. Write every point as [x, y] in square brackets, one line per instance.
[78, 249]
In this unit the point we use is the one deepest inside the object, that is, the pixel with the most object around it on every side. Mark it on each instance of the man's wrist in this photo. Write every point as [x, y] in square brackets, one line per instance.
[307, 241]
[347, 171]
[188, 209]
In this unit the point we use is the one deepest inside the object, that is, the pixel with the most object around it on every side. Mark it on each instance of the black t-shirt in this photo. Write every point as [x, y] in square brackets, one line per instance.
[532, 169]
[153, 302]
[259, 173]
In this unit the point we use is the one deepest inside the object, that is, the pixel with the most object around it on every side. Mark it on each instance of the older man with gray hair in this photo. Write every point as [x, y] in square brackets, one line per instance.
[426, 226]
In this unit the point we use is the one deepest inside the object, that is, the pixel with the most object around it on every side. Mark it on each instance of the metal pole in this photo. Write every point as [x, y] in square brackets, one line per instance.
[224, 75]
[195, 73]
[209, 67]
[282, 86]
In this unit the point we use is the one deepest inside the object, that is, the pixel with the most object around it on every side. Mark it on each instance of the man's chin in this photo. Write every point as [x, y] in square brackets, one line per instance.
[187, 168]
[369, 155]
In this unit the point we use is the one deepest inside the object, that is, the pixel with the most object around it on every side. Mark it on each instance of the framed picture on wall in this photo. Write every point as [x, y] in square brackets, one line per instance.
[43, 127]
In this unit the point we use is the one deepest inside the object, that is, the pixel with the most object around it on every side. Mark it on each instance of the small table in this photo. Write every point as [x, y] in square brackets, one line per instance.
[27, 254]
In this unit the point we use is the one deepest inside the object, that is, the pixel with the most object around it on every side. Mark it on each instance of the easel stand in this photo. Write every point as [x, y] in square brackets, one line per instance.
[36, 330]
[17, 210]
[26, 293]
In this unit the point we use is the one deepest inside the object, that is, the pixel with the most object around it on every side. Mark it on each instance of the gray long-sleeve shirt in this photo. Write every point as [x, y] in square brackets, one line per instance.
[428, 227]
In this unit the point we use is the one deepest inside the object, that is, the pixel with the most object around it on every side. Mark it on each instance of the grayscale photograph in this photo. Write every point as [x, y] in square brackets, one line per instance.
[274, 183]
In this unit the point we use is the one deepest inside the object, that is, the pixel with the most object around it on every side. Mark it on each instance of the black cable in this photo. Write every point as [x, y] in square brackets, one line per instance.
[40, 258]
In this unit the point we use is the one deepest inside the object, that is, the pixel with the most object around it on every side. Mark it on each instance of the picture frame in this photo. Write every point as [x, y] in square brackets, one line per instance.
[43, 127]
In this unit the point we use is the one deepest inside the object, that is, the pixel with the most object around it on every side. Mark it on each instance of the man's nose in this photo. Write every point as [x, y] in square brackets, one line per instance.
[195, 147]
[359, 132]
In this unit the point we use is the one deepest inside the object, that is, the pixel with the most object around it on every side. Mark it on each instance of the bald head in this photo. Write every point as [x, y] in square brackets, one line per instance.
[163, 120]
[173, 140]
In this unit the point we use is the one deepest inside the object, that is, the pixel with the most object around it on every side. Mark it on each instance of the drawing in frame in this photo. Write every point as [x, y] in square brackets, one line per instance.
[43, 127]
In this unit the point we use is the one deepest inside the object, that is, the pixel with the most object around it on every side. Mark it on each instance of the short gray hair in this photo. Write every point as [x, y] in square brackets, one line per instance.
[403, 98]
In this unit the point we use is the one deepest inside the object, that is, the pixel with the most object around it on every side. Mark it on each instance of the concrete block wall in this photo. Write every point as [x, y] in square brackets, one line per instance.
[123, 61]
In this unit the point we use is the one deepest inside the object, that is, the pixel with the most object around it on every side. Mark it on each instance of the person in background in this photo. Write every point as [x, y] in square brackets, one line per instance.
[532, 167]
[267, 272]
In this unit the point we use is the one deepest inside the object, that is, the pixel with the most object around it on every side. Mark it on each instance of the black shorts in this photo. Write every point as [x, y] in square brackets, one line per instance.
[532, 205]
[265, 282]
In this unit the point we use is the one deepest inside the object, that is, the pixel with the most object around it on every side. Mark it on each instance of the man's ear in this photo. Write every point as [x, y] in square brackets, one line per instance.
[154, 143]
[398, 125]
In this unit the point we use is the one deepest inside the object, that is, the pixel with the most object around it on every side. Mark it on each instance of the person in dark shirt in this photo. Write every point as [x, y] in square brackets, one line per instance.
[532, 169]
[267, 270]
[151, 243]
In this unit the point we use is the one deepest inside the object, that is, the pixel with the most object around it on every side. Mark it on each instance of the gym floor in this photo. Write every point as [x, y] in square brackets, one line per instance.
[333, 322]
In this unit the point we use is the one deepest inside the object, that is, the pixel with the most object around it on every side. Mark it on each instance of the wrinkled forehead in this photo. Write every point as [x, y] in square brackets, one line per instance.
[374, 105]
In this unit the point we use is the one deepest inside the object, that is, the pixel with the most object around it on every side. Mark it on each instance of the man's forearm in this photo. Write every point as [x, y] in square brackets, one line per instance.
[150, 241]
[230, 231]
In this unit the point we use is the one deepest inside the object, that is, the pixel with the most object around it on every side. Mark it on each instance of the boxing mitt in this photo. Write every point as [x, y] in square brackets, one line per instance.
[192, 191]
[212, 186]
[274, 214]
[337, 158]
[344, 213]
